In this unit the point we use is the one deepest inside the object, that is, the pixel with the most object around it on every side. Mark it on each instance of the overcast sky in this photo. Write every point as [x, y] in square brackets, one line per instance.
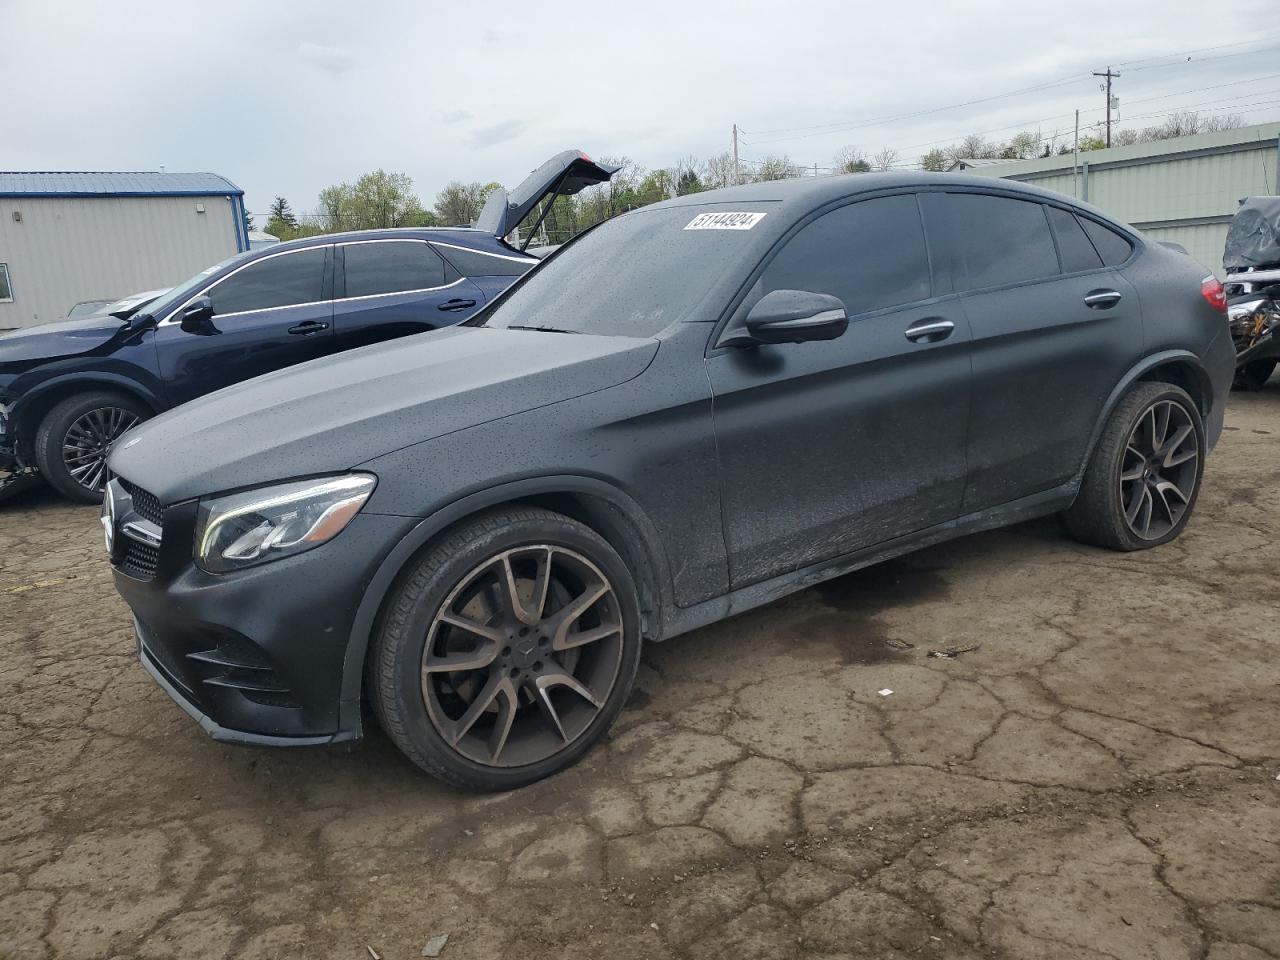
[289, 97]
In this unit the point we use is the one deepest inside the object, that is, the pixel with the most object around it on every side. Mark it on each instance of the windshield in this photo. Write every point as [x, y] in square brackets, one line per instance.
[87, 308]
[631, 276]
[183, 290]
[132, 303]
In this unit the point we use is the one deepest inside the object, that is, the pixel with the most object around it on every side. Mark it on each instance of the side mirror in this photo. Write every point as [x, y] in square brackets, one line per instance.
[196, 315]
[793, 316]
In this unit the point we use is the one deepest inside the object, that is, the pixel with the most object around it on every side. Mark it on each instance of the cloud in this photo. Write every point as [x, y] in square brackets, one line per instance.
[498, 133]
[335, 60]
[455, 116]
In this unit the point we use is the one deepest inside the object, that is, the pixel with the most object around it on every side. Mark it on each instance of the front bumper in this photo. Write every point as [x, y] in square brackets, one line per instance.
[256, 656]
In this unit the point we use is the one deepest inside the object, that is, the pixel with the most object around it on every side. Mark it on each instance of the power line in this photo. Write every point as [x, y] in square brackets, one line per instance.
[818, 130]
[1186, 53]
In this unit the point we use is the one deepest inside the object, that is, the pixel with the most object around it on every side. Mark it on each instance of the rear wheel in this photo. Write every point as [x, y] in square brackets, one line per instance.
[507, 650]
[75, 437]
[1254, 374]
[1144, 476]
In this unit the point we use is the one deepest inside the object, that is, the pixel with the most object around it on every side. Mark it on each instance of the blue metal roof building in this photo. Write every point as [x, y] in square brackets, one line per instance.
[96, 183]
[67, 236]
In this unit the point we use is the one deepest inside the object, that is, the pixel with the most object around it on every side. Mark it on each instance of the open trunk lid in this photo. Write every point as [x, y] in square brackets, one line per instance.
[564, 175]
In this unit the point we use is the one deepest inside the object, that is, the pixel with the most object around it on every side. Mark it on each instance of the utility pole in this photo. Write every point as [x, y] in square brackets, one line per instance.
[1110, 76]
[737, 174]
[1075, 162]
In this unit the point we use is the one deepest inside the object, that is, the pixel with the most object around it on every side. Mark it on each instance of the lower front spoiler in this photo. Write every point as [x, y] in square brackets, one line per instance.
[216, 730]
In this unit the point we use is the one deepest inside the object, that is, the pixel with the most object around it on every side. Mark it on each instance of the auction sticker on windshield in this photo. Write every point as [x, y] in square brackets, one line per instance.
[724, 221]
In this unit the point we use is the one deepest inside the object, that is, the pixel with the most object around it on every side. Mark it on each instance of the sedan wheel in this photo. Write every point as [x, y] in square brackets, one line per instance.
[1143, 476]
[507, 650]
[1160, 469]
[75, 437]
[522, 655]
[88, 441]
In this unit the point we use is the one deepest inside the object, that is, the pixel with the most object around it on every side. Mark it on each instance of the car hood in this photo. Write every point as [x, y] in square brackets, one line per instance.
[335, 413]
[62, 338]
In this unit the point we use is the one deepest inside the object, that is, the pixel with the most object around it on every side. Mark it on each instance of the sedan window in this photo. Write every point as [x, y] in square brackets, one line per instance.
[1113, 248]
[1077, 252]
[999, 240]
[869, 254]
[391, 266]
[279, 281]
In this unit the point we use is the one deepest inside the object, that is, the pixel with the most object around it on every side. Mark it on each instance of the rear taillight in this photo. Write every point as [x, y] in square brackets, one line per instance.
[1214, 293]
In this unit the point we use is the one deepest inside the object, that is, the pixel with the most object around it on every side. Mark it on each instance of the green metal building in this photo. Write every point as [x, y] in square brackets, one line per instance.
[1183, 190]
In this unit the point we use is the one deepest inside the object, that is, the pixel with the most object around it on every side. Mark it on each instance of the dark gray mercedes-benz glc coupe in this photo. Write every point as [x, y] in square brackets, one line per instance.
[691, 410]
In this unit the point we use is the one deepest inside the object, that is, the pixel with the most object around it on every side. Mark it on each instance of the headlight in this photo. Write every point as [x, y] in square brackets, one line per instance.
[245, 529]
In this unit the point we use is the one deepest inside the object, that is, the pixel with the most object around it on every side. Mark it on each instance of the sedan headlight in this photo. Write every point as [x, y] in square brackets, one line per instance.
[245, 529]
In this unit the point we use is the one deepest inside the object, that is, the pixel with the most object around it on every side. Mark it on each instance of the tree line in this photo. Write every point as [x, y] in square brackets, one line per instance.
[381, 199]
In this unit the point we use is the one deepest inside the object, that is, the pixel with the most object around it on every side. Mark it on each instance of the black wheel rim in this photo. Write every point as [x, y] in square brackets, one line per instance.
[1159, 470]
[88, 441]
[522, 655]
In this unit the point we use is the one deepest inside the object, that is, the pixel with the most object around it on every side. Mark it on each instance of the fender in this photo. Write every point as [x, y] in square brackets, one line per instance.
[349, 717]
[90, 380]
[1136, 373]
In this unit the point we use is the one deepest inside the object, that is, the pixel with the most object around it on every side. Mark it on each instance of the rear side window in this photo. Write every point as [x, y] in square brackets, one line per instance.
[473, 263]
[999, 240]
[6, 291]
[870, 254]
[391, 266]
[1113, 248]
[1076, 249]
[279, 281]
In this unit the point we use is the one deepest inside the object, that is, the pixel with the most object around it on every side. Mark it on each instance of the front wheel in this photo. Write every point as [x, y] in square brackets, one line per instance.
[75, 437]
[1144, 476]
[508, 650]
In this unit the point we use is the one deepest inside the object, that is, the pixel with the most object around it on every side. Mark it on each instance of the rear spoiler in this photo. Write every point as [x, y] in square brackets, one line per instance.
[562, 176]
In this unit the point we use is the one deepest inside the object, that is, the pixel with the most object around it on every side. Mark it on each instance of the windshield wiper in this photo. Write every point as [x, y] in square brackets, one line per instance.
[541, 329]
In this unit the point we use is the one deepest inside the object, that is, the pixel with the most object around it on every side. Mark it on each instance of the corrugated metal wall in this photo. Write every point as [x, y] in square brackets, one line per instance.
[67, 249]
[1184, 190]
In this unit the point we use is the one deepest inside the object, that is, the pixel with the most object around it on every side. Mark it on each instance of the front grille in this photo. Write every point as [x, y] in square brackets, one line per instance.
[138, 550]
[139, 559]
[145, 504]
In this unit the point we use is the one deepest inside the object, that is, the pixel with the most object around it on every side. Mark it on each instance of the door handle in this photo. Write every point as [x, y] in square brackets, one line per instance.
[308, 327]
[1102, 299]
[929, 330]
[456, 304]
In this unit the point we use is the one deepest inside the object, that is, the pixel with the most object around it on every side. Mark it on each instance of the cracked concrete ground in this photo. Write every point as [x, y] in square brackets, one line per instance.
[1097, 779]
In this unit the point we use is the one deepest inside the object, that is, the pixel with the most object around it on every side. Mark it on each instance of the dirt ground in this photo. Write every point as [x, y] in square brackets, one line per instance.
[1098, 778]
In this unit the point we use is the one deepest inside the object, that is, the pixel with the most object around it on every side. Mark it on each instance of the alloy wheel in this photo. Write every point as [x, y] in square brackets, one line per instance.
[1159, 470]
[88, 441]
[522, 655]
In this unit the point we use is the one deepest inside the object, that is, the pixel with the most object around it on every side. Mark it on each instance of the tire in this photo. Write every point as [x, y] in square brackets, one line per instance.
[1254, 374]
[423, 693]
[89, 422]
[1118, 479]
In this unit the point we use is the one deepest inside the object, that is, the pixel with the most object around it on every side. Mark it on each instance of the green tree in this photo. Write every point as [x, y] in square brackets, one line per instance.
[458, 204]
[777, 167]
[935, 161]
[851, 160]
[380, 199]
[280, 212]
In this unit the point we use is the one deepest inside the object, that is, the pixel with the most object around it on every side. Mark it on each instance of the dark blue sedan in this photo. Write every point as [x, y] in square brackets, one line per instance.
[69, 389]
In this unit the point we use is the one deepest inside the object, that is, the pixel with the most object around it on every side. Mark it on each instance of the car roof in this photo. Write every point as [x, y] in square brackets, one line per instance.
[802, 194]
[458, 236]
